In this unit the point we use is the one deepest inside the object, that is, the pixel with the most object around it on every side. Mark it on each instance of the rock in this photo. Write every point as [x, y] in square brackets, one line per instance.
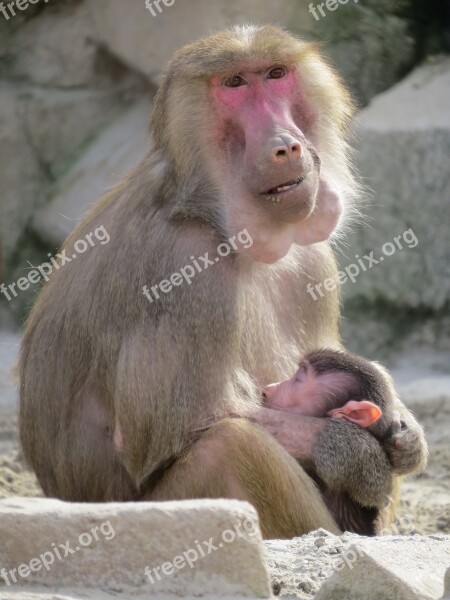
[155, 38]
[417, 103]
[21, 174]
[186, 548]
[447, 585]
[371, 44]
[55, 48]
[351, 567]
[403, 155]
[9, 352]
[408, 568]
[43, 130]
[424, 391]
[60, 123]
[59, 90]
[371, 47]
[117, 149]
[6, 320]
[89, 594]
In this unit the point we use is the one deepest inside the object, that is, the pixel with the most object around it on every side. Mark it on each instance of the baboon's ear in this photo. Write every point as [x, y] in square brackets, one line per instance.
[362, 413]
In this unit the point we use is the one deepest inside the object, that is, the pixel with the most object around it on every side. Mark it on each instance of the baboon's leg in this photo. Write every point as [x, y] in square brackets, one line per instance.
[238, 459]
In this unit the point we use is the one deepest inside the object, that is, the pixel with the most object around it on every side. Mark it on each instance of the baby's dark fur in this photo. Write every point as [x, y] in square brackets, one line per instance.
[366, 382]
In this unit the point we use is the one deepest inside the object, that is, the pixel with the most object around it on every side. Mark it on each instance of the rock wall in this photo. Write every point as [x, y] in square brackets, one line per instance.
[403, 149]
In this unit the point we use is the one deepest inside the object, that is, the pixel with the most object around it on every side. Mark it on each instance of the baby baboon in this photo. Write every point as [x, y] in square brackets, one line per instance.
[340, 385]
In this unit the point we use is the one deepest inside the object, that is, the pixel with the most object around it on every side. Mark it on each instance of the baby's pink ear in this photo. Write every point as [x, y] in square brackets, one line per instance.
[362, 413]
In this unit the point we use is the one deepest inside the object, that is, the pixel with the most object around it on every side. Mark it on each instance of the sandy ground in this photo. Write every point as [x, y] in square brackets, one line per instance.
[425, 505]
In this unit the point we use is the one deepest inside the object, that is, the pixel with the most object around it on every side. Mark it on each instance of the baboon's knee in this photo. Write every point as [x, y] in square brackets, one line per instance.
[238, 459]
[256, 468]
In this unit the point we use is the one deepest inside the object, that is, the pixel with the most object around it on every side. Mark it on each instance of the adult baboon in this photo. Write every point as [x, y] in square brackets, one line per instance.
[248, 137]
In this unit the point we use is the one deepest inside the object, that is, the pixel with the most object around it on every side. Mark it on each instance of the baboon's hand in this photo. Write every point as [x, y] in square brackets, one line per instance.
[407, 450]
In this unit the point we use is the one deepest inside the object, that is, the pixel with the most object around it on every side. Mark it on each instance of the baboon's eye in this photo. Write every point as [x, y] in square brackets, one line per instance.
[276, 73]
[234, 81]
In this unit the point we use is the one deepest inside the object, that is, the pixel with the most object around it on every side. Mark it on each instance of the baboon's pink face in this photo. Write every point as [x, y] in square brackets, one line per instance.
[264, 132]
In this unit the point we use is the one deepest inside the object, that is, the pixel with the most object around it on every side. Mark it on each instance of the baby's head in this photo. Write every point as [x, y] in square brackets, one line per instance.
[331, 383]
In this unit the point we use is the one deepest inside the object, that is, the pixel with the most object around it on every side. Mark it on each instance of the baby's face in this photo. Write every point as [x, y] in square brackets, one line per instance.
[300, 394]
[309, 394]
